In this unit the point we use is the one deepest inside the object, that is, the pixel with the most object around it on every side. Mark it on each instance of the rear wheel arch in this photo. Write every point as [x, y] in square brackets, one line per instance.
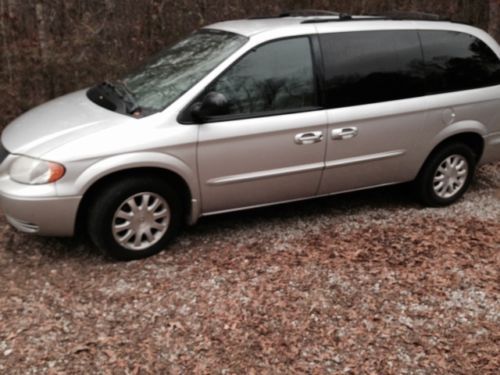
[473, 140]
[446, 174]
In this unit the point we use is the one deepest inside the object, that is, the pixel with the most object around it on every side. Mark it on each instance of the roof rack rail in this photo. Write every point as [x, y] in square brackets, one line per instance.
[301, 13]
[330, 16]
[341, 18]
[396, 15]
[307, 13]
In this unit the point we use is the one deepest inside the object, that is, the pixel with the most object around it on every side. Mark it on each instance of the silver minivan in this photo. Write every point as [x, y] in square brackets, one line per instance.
[255, 112]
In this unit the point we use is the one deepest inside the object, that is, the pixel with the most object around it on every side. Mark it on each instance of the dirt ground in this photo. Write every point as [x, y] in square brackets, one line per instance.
[360, 283]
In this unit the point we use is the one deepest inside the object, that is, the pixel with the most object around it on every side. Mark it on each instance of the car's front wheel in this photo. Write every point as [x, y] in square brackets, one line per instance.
[134, 218]
[446, 175]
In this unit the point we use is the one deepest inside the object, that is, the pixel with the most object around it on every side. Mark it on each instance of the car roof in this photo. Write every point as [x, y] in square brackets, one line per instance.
[251, 27]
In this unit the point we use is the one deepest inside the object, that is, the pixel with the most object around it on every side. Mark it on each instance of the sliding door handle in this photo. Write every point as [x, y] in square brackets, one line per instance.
[344, 133]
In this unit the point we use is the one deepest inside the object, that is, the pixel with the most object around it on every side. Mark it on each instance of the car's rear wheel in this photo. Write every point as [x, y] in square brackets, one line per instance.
[134, 218]
[446, 175]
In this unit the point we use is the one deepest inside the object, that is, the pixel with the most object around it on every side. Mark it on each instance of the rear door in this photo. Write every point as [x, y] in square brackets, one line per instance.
[270, 146]
[374, 91]
[463, 83]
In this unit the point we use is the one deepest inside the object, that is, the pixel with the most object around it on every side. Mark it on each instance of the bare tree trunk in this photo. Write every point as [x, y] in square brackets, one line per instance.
[3, 31]
[10, 8]
[42, 37]
[47, 79]
[494, 21]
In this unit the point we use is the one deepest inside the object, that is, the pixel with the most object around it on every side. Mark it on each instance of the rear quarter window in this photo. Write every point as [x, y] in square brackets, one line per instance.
[456, 61]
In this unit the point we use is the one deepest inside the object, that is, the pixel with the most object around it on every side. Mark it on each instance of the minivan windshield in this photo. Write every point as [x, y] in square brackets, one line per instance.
[158, 83]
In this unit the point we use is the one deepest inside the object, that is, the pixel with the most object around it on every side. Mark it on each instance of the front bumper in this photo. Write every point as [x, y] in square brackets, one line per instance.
[38, 209]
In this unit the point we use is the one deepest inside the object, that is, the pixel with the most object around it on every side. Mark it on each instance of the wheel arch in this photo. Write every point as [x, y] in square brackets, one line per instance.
[474, 139]
[178, 183]
[112, 170]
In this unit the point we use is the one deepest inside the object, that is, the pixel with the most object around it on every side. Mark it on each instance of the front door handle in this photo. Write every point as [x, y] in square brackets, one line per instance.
[344, 133]
[308, 138]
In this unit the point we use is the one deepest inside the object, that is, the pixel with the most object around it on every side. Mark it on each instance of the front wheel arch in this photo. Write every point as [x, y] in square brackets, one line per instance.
[176, 181]
[135, 217]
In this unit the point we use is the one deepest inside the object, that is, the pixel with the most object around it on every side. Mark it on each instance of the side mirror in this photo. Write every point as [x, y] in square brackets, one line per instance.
[213, 104]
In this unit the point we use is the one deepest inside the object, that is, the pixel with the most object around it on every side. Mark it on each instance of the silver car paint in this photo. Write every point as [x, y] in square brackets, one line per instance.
[58, 122]
[238, 164]
[256, 161]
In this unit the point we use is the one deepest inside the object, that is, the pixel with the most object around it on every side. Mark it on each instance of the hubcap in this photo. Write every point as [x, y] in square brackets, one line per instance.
[450, 177]
[141, 221]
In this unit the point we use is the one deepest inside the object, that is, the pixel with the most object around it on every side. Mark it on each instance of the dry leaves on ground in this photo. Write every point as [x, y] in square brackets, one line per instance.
[361, 283]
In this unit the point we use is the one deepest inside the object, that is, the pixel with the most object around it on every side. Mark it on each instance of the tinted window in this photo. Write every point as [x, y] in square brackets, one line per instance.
[371, 67]
[457, 61]
[277, 76]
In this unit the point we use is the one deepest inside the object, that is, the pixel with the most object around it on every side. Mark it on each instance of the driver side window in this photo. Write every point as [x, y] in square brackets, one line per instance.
[275, 77]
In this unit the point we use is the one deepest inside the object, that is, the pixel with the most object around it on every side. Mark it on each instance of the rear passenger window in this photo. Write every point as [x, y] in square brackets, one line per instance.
[457, 61]
[370, 67]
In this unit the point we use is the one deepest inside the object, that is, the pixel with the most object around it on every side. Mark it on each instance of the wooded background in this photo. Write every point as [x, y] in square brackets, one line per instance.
[50, 47]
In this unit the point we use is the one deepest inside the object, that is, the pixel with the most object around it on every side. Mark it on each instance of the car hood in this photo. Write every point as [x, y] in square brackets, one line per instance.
[57, 122]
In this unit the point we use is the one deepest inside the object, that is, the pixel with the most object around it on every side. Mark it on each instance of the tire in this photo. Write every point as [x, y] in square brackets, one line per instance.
[156, 222]
[439, 168]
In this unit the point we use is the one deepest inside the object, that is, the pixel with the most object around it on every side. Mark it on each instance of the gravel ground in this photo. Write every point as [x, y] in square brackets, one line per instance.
[360, 283]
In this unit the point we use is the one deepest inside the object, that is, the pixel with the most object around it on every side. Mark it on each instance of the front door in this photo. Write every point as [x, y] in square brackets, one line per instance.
[269, 145]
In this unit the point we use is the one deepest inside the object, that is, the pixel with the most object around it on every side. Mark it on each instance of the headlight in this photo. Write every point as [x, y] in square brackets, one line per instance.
[32, 171]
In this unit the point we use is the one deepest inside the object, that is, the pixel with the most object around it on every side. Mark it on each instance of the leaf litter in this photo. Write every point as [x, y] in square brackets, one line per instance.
[360, 283]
